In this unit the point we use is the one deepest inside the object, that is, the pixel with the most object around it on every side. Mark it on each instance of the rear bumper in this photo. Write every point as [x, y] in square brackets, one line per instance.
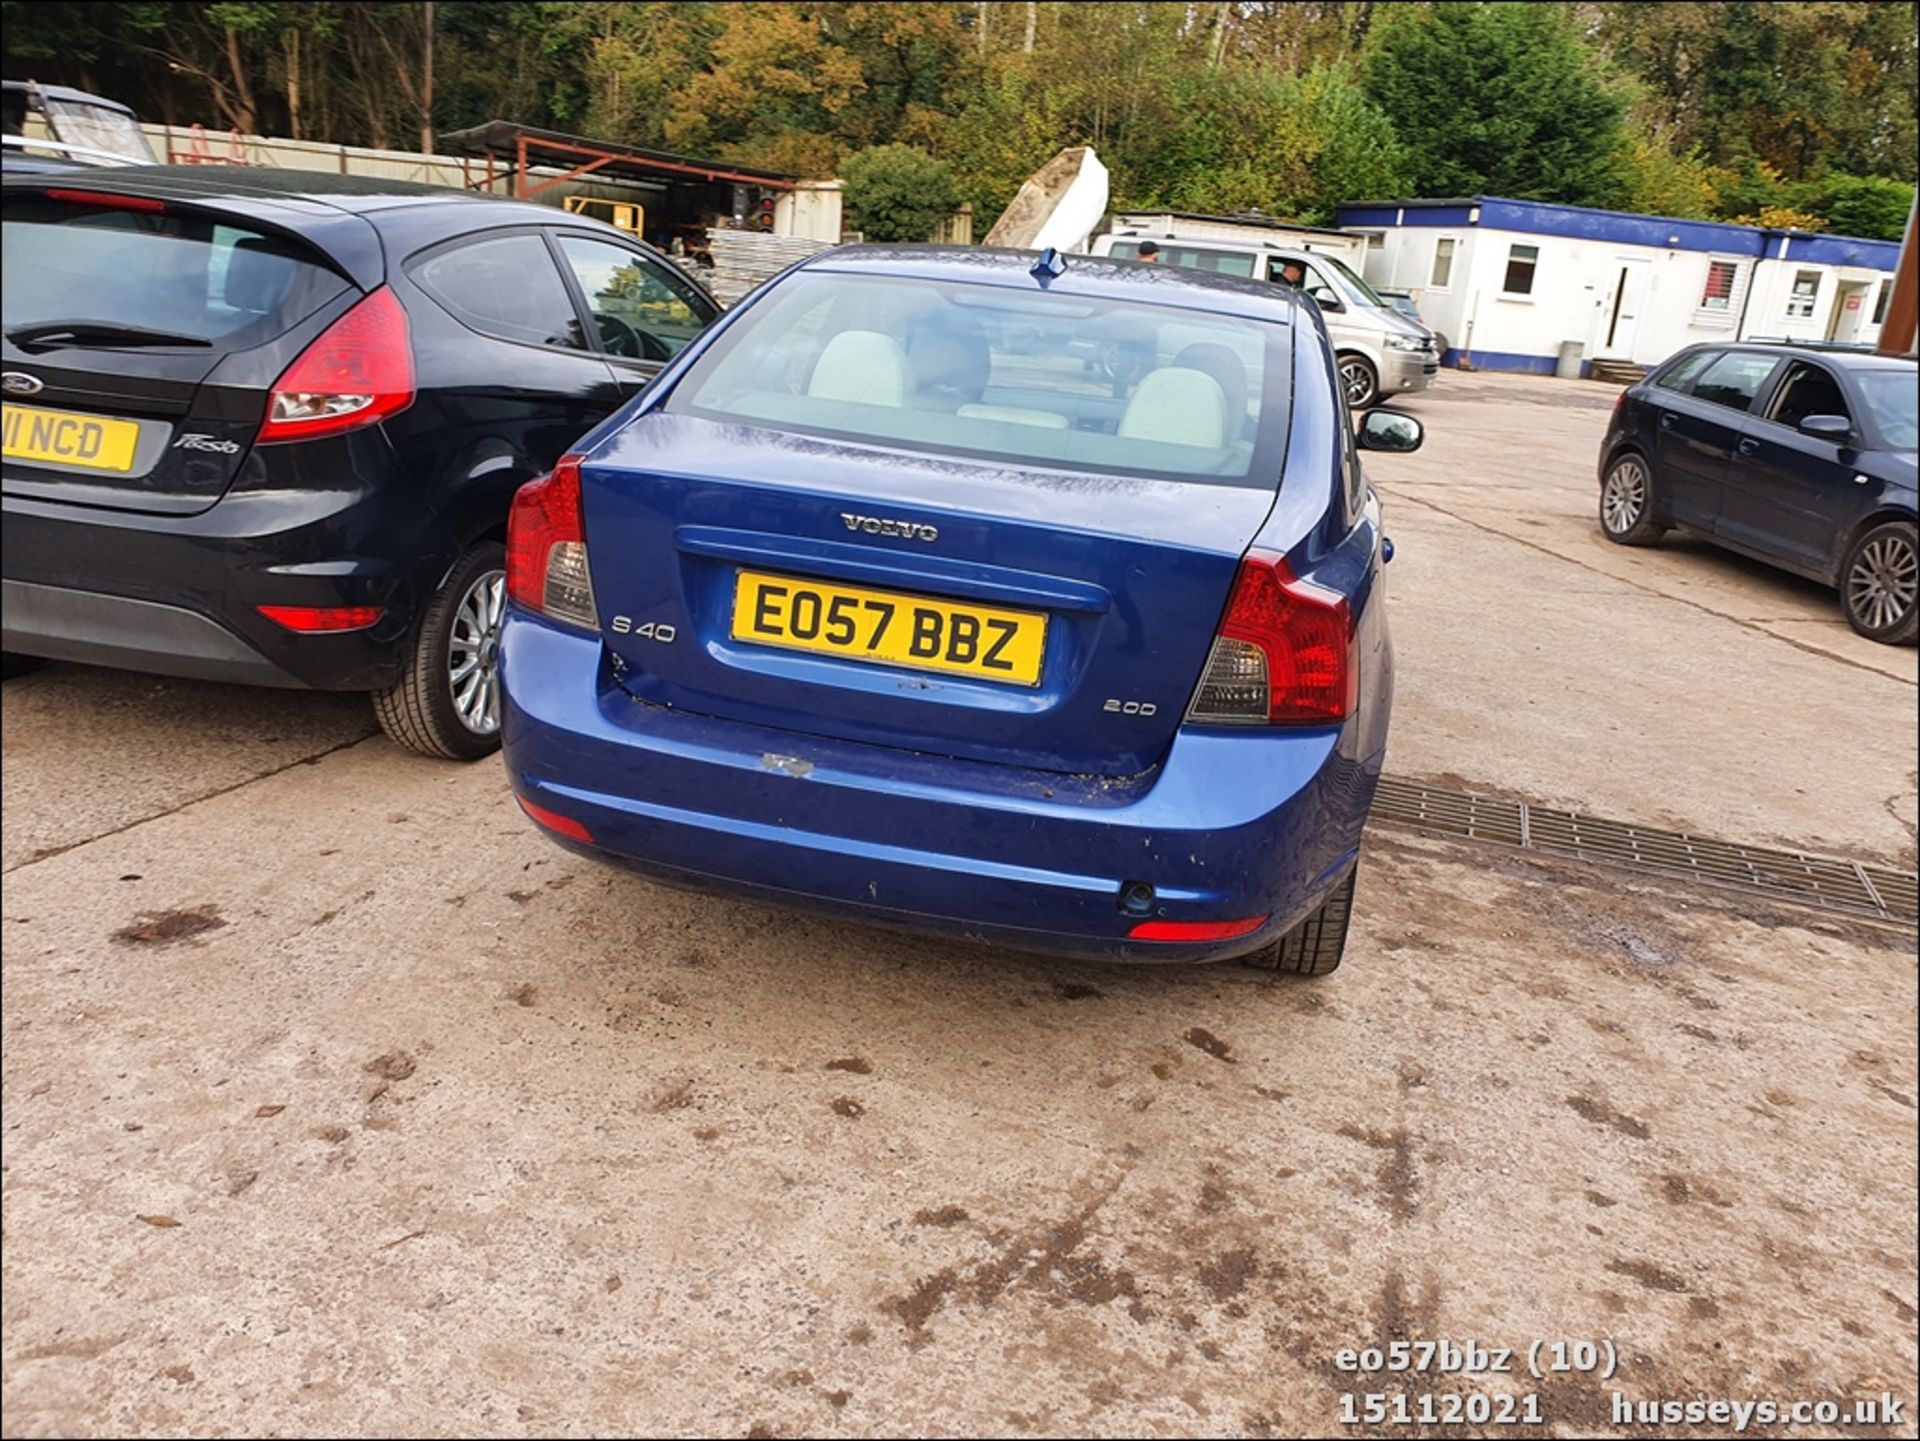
[95, 629]
[178, 595]
[1232, 824]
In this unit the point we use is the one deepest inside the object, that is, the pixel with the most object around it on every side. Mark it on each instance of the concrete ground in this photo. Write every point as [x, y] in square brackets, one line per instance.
[1678, 685]
[337, 1100]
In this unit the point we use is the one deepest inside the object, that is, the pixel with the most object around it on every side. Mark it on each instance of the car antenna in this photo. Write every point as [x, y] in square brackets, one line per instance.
[1050, 265]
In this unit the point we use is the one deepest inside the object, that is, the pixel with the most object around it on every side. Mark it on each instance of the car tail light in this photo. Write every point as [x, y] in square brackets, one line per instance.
[560, 825]
[359, 371]
[1195, 930]
[547, 548]
[144, 204]
[1284, 654]
[313, 619]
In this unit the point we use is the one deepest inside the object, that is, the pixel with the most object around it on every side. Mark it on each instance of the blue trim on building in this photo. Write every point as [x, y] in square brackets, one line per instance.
[1448, 216]
[1509, 361]
[1615, 227]
[1836, 250]
[1611, 227]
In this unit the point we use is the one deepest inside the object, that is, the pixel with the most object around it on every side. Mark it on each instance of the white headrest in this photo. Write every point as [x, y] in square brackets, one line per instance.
[863, 366]
[1013, 415]
[1177, 406]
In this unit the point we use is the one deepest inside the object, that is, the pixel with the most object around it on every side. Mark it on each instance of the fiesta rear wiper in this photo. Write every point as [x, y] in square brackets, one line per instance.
[100, 334]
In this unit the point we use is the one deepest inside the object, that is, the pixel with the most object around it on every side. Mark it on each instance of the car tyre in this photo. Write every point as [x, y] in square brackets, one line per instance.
[1880, 583]
[1314, 947]
[1360, 381]
[1626, 502]
[446, 703]
[12, 664]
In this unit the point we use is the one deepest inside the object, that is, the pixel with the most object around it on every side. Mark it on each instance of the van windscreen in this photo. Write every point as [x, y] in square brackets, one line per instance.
[1192, 257]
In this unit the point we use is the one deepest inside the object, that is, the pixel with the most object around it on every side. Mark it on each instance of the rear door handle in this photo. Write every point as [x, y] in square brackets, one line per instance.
[1666, 422]
[1747, 446]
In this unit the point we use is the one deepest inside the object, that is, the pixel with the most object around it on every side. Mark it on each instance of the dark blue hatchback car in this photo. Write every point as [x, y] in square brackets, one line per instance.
[1797, 456]
[943, 587]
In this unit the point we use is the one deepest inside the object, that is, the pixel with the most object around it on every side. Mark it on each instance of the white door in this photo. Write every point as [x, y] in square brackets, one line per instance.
[1850, 301]
[1620, 316]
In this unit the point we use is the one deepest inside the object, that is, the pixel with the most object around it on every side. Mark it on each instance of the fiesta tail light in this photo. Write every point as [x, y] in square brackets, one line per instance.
[146, 205]
[1284, 653]
[358, 372]
[1195, 930]
[547, 548]
[318, 619]
[560, 825]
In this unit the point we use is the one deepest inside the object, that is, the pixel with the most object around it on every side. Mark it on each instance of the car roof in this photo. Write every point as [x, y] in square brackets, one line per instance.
[344, 216]
[1849, 357]
[1087, 275]
[356, 194]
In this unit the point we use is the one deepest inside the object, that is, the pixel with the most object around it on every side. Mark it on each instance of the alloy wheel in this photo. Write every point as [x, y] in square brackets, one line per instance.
[473, 653]
[1358, 381]
[1624, 497]
[1884, 582]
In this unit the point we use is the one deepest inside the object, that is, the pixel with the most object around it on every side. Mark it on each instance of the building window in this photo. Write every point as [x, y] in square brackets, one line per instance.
[1521, 260]
[1806, 287]
[1718, 294]
[1880, 302]
[1442, 263]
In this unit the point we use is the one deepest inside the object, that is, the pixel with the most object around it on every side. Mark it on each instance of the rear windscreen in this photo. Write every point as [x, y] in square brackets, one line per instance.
[1055, 381]
[175, 272]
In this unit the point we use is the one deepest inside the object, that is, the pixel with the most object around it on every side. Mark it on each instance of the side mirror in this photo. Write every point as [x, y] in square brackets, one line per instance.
[1327, 300]
[1393, 431]
[1836, 428]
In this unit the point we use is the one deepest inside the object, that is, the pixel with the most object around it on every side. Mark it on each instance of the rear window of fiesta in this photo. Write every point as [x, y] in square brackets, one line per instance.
[175, 270]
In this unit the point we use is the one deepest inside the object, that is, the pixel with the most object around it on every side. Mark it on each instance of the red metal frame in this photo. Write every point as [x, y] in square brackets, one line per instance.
[598, 157]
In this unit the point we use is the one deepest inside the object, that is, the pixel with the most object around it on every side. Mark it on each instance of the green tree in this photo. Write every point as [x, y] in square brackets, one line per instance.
[1011, 126]
[1684, 107]
[897, 192]
[1295, 148]
[1805, 86]
[1658, 179]
[1498, 99]
[796, 86]
[1871, 207]
[630, 61]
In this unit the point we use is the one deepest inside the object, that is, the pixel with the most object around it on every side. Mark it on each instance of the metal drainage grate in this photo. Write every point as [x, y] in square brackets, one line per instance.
[1794, 876]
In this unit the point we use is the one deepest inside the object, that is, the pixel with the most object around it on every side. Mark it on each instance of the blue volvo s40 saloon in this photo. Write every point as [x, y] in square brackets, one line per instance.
[1037, 602]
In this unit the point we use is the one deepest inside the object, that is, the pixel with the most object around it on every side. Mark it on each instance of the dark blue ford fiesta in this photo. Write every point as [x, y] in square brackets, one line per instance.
[936, 587]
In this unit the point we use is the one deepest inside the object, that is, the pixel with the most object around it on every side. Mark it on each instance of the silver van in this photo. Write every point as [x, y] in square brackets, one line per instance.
[1381, 351]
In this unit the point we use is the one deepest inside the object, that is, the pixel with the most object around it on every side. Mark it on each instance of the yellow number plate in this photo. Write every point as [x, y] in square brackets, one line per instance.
[67, 437]
[890, 628]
